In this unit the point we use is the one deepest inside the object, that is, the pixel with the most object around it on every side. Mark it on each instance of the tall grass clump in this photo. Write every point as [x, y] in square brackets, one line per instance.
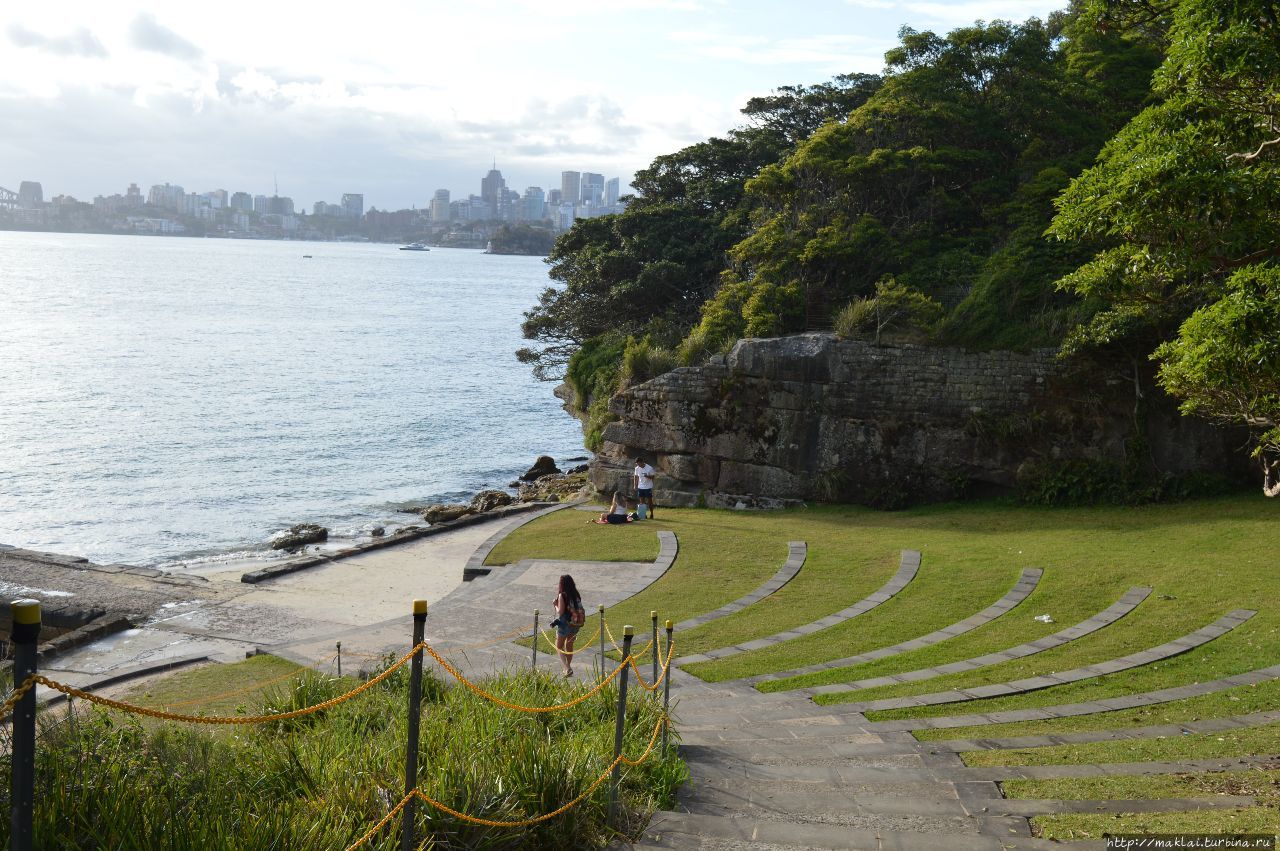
[108, 780]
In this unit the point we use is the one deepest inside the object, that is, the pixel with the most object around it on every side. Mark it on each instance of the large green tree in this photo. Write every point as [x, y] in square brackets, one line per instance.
[1183, 207]
[944, 179]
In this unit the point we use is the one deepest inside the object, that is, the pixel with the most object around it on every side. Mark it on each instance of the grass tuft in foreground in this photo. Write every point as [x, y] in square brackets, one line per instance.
[106, 780]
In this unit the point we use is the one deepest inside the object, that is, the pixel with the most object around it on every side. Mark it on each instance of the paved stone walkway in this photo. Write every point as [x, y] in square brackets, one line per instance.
[909, 565]
[1169, 649]
[796, 554]
[1022, 589]
[1106, 617]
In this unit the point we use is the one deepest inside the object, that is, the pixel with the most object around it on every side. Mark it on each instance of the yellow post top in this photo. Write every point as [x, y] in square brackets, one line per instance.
[602, 608]
[670, 625]
[628, 630]
[653, 615]
[25, 611]
[419, 607]
[537, 612]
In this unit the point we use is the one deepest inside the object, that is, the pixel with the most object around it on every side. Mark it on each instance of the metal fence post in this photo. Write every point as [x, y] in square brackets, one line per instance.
[666, 694]
[602, 656]
[536, 612]
[26, 637]
[628, 632]
[653, 616]
[339, 658]
[415, 717]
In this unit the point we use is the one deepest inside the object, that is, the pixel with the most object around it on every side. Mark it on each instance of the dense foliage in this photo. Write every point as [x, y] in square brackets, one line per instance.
[1153, 126]
[319, 782]
[1184, 205]
[521, 239]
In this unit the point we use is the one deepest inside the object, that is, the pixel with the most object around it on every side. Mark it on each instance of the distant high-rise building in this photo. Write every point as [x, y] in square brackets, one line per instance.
[611, 188]
[570, 186]
[218, 198]
[440, 206]
[533, 205]
[133, 196]
[242, 201]
[320, 208]
[592, 189]
[564, 216]
[280, 205]
[353, 205]
[260, 205]
[491, 188]
[554, 197]
[30, 194]
[167, 196]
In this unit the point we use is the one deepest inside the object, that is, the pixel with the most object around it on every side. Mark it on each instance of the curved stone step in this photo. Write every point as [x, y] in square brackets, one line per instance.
[1068, 710]
[909, 565]
[1022, 589]
[1106, 617]
[1169, 649]
[796, 553]
[1087, 737]
[475, 565]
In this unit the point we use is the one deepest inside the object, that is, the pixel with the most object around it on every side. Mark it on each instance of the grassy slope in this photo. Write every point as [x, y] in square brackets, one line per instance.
[1264, 819]
[972, 555]
[1226, 743]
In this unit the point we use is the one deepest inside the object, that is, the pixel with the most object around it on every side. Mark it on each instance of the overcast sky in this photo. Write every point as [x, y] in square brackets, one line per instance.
[397, 99]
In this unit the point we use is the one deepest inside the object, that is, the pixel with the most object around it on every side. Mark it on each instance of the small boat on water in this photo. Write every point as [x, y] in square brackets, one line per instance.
[414, 246]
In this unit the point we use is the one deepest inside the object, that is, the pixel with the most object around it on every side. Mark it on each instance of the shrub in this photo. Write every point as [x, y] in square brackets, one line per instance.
[642, 360]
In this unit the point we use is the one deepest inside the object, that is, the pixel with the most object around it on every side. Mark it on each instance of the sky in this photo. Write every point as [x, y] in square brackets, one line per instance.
[398, 99]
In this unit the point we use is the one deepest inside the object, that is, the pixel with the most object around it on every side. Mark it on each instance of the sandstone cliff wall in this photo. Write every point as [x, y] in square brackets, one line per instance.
[814, 417]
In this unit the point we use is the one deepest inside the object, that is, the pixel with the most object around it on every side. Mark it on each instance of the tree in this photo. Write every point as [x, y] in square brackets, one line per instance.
[1184, 204]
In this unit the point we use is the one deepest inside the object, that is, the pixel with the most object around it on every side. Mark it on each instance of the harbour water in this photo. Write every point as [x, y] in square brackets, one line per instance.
[169, 401]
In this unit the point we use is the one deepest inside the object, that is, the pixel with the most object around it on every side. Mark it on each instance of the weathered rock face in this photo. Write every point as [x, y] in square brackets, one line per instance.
[814, 417]
[489, 500]
[441, 513]
[545, 465]
[298, 536]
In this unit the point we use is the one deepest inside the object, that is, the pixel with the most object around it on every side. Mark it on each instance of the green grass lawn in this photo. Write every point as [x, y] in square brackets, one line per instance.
[216, 689]
[1202, 558]
[1264, 818]
[1225, 743]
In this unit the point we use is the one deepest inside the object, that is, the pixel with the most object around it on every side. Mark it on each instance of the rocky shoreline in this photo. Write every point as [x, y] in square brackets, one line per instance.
[542, 483]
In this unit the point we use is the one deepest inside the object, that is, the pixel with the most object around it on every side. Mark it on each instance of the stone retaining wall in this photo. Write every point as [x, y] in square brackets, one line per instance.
[815, 417]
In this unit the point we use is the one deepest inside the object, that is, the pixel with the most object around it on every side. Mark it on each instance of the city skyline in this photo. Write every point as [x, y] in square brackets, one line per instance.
[400, 99]
[12, 182]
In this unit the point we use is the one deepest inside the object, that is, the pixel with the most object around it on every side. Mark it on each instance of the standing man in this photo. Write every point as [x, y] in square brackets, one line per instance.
[642, 480]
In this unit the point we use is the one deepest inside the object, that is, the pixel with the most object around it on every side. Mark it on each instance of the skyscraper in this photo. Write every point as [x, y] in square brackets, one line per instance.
[592, 188]
[611, 188]
[570, 186]
[491, 187]
[440, 206]
[353, 205]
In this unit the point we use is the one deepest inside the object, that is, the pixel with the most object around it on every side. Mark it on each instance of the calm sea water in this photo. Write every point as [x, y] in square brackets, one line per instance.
[168, 399]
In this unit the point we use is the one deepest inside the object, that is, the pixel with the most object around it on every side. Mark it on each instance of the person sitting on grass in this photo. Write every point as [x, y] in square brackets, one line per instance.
[639, 511]
[617, 512]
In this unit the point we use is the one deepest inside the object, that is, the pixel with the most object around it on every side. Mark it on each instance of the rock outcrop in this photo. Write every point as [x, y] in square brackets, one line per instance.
[489, 500]
[296, 537]
[815, 417]
[545, 465]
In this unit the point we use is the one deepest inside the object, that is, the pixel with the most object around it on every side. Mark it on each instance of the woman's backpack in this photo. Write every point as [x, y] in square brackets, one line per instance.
[577, 614]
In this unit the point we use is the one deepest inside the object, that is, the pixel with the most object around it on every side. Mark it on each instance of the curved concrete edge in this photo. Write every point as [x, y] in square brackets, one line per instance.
[475, 564]
[1088, 737]
[797, 552]
[1127, 603]
[133, 673]
[1159, 653]
[1069, 710]
[1026, 584]
[293, 566]
[908, 567]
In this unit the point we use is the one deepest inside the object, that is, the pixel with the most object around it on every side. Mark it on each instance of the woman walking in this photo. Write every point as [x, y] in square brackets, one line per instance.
[570, 616]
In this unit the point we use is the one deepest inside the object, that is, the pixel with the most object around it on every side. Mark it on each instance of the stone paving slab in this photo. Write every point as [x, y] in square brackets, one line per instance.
[797, 551]
[1026, 583]
[1001, 773]
[1110, 615]
[909, 566]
